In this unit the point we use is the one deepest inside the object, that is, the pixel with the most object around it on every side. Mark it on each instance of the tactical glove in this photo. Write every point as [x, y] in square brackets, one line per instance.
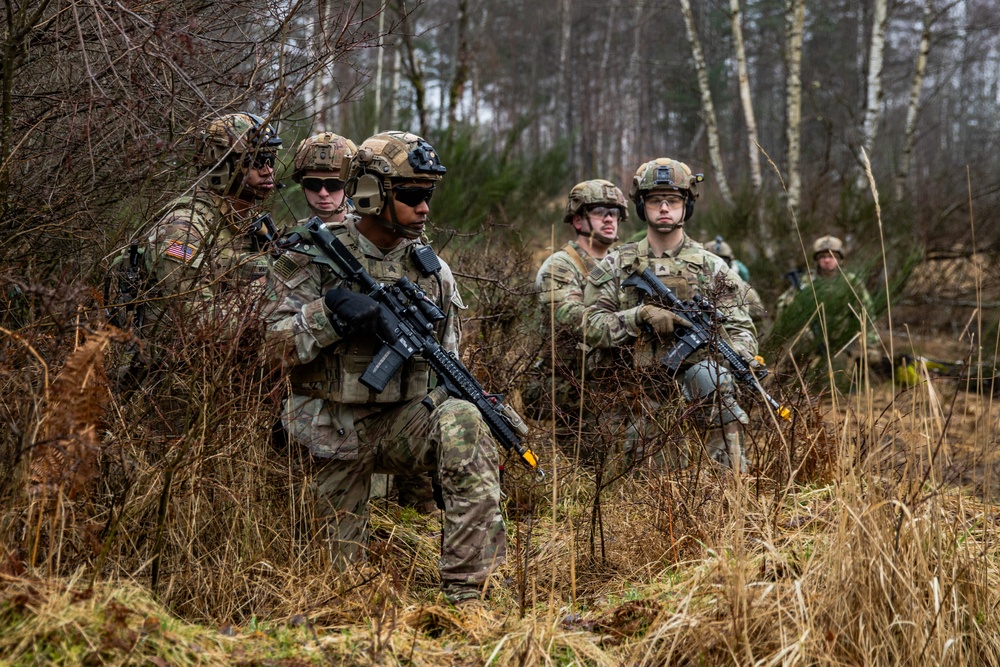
[661, 320]
[354, 313]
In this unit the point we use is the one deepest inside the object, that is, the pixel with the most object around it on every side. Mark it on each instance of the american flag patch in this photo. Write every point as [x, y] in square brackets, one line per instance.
[181, 251]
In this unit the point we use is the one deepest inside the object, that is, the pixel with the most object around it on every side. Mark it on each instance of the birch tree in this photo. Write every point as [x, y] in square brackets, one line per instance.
[913, 108]
[745, 98]
[630, 102]
[707, 108]
[873, 99]
[795, 12]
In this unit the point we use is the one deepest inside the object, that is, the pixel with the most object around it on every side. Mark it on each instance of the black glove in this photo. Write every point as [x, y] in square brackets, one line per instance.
[355, 313]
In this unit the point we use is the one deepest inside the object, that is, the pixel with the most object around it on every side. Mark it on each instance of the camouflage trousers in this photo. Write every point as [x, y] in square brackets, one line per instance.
[450, 439]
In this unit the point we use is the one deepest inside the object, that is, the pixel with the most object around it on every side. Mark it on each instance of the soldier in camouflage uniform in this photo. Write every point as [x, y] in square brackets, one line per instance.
[664, 192]
[202, 248]
[320, 169]
[318, 161]
[322, 332]
[844, 299]
[594, 209]
[756, 305]
[204, 272]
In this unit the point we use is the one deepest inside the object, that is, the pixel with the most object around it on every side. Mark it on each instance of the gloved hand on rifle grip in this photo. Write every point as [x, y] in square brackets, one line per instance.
[356, 313]
[661, 320]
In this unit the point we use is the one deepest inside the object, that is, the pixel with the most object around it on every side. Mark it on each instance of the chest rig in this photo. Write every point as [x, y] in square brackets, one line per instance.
[685, 274]
[336, 374]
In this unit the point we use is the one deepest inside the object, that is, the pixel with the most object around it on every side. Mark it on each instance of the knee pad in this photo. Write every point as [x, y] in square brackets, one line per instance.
[713, 385]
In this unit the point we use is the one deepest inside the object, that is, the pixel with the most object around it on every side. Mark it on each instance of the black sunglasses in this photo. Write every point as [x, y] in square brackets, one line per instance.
[314, 184]
[412, 197]
[260, 160]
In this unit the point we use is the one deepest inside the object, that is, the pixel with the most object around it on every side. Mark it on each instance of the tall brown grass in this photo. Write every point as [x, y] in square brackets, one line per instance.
[863, 535]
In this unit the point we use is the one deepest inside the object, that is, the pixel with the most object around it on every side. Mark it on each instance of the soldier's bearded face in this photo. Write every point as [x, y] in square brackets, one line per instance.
[259, 180]
[600, 228]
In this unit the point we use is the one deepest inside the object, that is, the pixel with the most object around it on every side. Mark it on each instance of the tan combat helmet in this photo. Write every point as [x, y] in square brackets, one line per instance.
[828, 244]
[232, 143]
[326, 152]
[597, 192]
[721, 249]
[664, 174]
[382, 164]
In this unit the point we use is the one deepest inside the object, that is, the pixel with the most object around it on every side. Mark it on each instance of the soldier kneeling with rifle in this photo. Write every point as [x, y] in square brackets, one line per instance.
[653, 296]
[362, 313]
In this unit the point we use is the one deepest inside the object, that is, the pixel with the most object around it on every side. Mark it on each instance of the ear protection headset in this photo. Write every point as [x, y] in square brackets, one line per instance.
[363, 186]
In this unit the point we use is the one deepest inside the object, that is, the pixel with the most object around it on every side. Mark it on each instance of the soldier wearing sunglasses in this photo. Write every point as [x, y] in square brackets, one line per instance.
[318, 163]
[201, 248]
[201, 269]
[323, 334]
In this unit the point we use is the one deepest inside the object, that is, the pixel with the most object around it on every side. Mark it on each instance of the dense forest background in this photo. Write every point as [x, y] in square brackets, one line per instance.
[101, 100]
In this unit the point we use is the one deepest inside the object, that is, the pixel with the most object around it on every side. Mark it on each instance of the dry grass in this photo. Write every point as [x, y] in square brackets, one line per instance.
[864, 536]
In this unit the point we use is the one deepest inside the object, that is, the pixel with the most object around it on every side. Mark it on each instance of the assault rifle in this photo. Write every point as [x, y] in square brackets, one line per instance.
[703, 317]
[412, 317]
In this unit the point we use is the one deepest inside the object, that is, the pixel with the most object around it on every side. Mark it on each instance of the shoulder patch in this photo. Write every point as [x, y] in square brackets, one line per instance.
[285, 267]
[180, 251]
[599, 274]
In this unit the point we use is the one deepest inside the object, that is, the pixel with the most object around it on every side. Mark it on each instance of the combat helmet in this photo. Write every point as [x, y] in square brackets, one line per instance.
[664, 174]
[231, 141]
[325, 151]
[382, 161]
[721, 249]
[597, 192]
[828, 244]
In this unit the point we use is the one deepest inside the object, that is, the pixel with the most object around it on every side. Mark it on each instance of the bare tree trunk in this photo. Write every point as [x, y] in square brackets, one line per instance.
[873, 100]
[457, 88]
[604, 154]
[707, 108]
[566, 33]
[394, 109]
[913, 110]
[414, 72]
[378, 68]
[630, 100]
[795, 13]
[744, 82]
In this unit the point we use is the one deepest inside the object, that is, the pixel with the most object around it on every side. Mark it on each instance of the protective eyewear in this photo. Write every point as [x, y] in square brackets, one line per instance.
[412, 197]
[601, 212]
[672, 201]
[260, 160]
[313, 184]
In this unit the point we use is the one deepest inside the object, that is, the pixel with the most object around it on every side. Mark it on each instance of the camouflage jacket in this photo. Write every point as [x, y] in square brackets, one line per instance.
[613, 312]
[324, 369]
[560, 283]
[201, 267]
